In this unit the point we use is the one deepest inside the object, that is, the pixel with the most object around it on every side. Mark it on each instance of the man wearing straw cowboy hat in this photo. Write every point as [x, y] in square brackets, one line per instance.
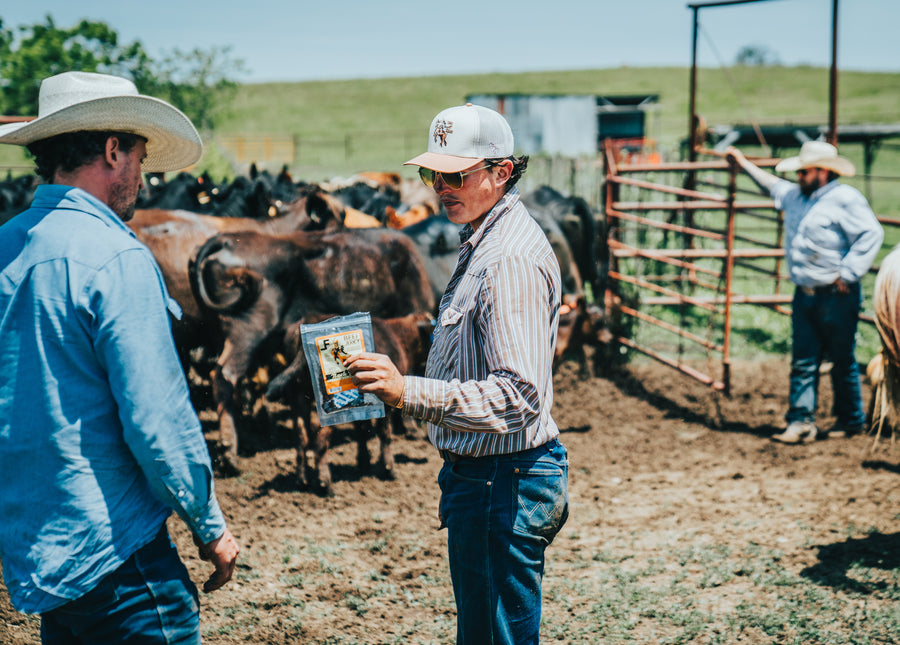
[831, 239]
[98, 439]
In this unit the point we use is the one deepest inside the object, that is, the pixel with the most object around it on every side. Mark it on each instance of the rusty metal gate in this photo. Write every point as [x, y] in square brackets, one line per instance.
[678, 252]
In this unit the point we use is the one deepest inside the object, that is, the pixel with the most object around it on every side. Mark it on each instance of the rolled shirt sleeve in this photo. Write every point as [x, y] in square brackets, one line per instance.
[128, 303]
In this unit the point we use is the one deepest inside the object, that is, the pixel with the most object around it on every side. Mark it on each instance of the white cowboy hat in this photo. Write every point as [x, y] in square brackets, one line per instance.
[77, 101]
[817, 154]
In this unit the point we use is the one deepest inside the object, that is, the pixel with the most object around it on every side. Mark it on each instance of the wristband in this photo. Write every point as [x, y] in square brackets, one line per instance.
[399, 404]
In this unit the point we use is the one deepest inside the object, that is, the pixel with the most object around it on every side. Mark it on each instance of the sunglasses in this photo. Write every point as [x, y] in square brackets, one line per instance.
[453, 179]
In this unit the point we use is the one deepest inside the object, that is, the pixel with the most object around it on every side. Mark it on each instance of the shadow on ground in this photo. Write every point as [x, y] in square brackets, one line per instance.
[838, 561]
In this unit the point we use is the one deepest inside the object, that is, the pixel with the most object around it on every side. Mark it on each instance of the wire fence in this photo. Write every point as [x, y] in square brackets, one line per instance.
[323, 158]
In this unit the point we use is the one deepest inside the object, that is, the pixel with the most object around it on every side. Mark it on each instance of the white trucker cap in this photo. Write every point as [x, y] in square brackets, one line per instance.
[462, 136]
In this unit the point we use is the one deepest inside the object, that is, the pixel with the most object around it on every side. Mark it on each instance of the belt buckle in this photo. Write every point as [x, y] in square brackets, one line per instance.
[809, 291]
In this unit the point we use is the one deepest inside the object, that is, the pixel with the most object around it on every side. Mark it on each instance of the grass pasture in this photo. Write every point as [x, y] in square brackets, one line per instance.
[387, 118]
[376, 124]
[342, 127]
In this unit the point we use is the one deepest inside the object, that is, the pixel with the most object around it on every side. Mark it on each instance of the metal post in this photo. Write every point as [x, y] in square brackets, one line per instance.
[729, 274]
[832, 113]
[611, 188]
[692, 123]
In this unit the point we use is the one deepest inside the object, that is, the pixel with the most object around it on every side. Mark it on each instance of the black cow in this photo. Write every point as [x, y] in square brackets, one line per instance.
[259, 195]
[16, 195]
[584, 233]
[184, 191]
[437, 239]
[372, 199]
[253, 286]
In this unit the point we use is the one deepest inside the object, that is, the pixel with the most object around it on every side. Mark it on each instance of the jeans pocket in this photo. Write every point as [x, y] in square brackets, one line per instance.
[465, 492]
[541, 498]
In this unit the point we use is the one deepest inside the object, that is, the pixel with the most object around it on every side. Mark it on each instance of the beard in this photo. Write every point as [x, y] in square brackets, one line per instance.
[808, 188]
[123, 197]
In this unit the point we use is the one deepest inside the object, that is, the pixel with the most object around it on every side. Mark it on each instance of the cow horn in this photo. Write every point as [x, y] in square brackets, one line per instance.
[239, 286]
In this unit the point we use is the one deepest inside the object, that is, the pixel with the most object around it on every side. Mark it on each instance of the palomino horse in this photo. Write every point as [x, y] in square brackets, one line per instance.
[884, 370]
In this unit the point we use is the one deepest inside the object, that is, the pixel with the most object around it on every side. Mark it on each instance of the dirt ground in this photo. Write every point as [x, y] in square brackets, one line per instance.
[659, 466]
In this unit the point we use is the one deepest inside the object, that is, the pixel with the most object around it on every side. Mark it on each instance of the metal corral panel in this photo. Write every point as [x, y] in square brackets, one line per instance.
[569, 125]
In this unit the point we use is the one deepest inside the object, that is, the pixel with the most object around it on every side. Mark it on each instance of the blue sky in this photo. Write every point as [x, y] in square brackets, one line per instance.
[297, 40]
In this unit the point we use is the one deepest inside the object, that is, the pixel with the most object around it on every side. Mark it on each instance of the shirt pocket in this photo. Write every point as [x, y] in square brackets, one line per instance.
[449, 339]
[820, 232]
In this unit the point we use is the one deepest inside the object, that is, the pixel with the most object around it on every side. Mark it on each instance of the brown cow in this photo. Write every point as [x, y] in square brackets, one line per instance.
[253, 286]
[412, 215]
[405, 339]
[174, 236]
[582, 325]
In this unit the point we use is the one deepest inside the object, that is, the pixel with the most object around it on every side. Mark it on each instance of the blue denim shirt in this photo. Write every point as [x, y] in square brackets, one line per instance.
[98, 438]
[831, 234]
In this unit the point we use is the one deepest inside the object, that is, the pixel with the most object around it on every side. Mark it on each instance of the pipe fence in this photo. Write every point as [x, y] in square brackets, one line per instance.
[687, 244]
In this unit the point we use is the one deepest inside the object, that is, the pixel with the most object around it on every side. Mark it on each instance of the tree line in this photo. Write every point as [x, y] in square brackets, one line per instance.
[199, 82]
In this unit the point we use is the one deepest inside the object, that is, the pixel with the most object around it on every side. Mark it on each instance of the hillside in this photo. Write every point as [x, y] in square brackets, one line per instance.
[340, 127]
[766, 94]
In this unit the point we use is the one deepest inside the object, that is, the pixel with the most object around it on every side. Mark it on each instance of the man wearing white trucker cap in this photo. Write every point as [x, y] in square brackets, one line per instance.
[488, 388]
[98, 439]
[831, 239]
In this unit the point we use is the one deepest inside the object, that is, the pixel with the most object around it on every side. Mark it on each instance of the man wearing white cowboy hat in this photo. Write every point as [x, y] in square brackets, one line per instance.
[98, 439]
[831, 240]
[487, 392]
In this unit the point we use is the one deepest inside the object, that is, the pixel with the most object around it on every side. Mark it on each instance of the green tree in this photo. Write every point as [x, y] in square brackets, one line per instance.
[42, 50]
[197, 82]
[756, 56]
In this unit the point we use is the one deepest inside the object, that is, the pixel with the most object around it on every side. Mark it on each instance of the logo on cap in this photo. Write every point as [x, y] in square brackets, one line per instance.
[441, 130]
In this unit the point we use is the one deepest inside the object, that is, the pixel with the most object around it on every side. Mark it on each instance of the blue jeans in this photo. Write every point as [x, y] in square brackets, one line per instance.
[149, 599]
[824, 325]
[501, 513]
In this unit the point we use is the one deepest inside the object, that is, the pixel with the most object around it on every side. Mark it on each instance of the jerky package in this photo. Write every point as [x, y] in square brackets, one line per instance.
[326, 344]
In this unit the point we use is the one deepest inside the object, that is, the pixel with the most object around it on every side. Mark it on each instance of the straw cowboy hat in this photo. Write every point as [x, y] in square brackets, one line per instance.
[77, 101]
[817, 154]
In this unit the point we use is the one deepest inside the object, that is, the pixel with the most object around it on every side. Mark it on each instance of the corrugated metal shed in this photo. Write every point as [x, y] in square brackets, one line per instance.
[569, 124]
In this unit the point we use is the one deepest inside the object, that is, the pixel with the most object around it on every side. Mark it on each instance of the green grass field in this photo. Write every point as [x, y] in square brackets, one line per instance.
[387, 119]
[375, 124]
[342, 127]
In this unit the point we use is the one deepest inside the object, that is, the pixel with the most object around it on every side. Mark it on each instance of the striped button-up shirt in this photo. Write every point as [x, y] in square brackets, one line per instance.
[488, 385]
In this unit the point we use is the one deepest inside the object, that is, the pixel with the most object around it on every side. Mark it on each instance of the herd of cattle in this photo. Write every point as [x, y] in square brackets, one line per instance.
[251, 260]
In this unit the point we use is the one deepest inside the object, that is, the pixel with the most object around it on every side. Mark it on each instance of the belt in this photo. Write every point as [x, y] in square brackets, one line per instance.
[454, 457]
[811, 291]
